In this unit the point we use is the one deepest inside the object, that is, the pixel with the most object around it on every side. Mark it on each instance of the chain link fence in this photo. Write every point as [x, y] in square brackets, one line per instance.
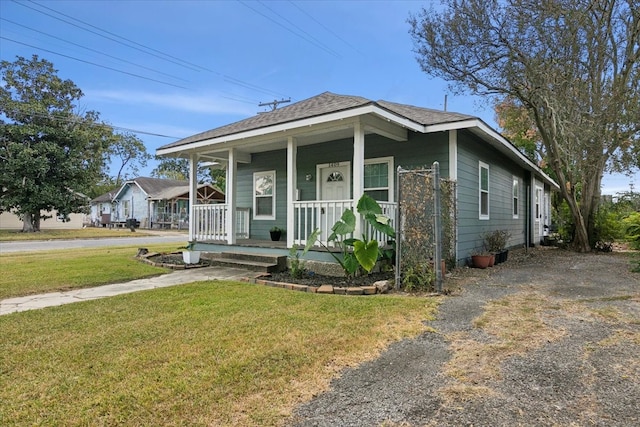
[426, 229]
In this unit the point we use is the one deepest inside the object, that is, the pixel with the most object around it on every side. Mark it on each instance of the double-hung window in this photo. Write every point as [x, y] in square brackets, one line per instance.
[516, 197]
[483, 190]
[378, 178]
[264, 195]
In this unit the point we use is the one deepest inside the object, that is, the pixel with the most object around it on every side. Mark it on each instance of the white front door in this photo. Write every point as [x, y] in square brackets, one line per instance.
[334, 186]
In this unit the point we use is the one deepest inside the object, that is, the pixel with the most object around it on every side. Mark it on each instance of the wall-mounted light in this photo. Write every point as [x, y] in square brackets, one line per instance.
[308, 177]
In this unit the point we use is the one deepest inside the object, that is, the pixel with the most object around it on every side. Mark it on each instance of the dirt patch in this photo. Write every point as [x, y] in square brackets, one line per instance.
[549, 338]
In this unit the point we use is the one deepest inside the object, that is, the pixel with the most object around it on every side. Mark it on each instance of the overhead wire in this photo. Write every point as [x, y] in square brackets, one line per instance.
[244, 3]
[168, 58]
[91, 49]
[73, 120]
[93, 63]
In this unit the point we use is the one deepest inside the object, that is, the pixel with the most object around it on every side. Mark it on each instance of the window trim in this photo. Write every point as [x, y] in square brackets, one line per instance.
[515, 198]
[482, 165]
[390, 170]
[538, 198]
[271, 173]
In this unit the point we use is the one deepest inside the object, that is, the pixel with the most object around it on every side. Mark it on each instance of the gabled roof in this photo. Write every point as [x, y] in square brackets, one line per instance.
[329, 108]
[106, 197]
[183, 191]
[320, 105]
[152, 186]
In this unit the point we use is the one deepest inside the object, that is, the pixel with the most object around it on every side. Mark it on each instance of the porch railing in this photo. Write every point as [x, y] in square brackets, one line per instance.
[210, 222]
[323, 214]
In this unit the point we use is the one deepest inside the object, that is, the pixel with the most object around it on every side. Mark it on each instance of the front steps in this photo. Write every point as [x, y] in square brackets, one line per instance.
[251, 261]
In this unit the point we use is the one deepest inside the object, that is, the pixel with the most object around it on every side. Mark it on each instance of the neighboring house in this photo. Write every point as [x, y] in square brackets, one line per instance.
[11, 221]
[300, 166]
[154, 202]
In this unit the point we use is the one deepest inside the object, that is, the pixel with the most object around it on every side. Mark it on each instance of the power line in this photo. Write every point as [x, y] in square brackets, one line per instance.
[92, 50]
[73, 120]
[188, 65]
[310, 16]
[322, 45]
[100, 35]
[93, 63]
[289, 29]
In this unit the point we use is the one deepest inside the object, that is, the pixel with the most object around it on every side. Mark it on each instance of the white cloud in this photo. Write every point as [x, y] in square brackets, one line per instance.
[206, 103]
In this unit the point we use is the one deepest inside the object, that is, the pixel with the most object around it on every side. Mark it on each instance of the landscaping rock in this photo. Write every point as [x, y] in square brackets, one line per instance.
[383, 286]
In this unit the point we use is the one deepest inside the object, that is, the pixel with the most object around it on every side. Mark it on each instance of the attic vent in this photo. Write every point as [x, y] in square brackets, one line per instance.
[335, 176]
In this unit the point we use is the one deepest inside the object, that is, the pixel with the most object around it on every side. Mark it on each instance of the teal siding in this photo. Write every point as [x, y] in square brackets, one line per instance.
[262, 162]
[501, 173]
[421, 150]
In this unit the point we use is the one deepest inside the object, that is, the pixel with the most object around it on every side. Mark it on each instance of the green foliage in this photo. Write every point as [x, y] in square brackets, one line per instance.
[420, 277]
[496, 241]
[179, 169]
[296, 264]
[631, 224]
[49, 153]
[358, 253]
[131, 154]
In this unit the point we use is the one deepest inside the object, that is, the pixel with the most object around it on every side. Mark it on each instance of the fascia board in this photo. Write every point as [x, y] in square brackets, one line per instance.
[284, 127]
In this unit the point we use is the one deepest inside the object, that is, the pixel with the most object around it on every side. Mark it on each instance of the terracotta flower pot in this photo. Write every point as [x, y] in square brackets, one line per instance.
[480, 261]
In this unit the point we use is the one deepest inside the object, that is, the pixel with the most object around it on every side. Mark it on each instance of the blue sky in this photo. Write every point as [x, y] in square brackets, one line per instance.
[203, 64]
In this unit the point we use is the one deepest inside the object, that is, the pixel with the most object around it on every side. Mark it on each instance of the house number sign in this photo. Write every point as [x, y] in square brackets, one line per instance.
[334, 165]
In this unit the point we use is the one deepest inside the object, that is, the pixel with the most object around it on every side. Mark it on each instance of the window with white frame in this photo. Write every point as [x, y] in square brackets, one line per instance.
[125, 208]
[516, 197]
[378, 178]
[483, 190]
[538, 203]
[264, 195]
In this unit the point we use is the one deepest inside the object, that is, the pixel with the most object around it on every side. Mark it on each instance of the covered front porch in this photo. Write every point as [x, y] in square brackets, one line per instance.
[317, 194]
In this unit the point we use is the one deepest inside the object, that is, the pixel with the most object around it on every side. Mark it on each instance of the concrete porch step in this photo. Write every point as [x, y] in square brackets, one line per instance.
[255, 262]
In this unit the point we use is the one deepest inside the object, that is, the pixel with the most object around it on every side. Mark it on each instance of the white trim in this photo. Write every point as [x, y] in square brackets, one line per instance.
[483, 165]
[273, 196]
[292, 172]
[193, 194]
[390, 172]
[231, 197]
[453, 155]
[515, 199]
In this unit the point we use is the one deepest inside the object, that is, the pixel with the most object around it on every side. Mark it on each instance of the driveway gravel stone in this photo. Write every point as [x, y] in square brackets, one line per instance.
[588, 376]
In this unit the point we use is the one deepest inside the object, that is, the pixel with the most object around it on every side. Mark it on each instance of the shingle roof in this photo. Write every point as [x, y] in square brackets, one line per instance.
[153, 186]
[325, 103]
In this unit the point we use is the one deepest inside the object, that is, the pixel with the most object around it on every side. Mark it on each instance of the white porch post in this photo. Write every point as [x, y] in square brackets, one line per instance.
[230, 196]
[193, 194]
[358, 172]
[292, 172]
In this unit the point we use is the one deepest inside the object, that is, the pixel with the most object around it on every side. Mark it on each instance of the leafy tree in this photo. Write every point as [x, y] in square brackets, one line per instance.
[49, 153]
[179, 169]
[130, 155]
[572, 64]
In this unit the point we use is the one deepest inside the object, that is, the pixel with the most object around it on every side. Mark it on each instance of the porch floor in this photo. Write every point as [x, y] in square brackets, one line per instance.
[251, 243]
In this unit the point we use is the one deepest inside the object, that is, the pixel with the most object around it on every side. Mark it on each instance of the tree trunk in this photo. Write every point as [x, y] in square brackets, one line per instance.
[27, 223]
[35, 219]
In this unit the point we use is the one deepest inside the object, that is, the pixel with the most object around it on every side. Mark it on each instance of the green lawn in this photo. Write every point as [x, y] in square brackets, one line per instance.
[209, 353]
[39, 272]
[81, 233]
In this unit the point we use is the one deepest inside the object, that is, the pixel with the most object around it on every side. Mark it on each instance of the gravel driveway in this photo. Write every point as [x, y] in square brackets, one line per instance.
[548, 338]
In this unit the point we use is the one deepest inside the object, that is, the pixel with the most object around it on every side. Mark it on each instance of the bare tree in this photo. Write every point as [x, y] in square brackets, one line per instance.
[573, 64]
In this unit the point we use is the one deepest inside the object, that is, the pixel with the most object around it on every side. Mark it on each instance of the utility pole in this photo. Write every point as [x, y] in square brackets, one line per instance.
[274, 104]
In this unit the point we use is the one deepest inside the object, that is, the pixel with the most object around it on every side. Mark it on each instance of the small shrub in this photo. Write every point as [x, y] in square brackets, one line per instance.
[419, 278]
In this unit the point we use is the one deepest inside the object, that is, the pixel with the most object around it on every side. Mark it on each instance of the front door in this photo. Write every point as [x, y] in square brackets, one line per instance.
[334, 186]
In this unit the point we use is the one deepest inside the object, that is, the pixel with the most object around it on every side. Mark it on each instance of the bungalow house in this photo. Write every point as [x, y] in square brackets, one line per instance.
[154, 202]
[300, 166]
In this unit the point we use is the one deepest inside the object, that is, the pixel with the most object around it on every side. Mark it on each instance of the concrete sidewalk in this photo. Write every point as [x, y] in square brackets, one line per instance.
[178, 277]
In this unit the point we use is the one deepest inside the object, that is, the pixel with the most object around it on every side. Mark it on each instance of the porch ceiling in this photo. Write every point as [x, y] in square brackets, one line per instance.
[304, 135]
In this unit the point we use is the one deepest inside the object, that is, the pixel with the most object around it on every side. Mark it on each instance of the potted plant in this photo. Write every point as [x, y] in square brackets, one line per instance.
[496, 243]
[276, 233]
[189, 255]
[481, 260]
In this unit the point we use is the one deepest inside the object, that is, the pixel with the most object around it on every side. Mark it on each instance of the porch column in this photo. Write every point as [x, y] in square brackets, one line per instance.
[230, 196]
[358, 172]
[292, 172]
[193, 194]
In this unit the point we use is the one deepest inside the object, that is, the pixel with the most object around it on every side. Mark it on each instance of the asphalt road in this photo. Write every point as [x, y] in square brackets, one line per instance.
[48, 245]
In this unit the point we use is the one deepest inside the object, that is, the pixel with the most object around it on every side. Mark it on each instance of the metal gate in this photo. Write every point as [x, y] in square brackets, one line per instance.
[426, 227]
